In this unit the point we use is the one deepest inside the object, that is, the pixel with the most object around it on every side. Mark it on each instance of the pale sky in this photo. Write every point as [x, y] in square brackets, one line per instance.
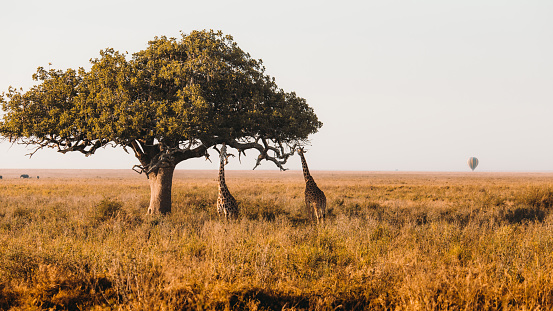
[407, 85]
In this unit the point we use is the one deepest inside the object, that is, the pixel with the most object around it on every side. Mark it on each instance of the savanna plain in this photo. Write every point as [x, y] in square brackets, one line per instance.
[81, 240]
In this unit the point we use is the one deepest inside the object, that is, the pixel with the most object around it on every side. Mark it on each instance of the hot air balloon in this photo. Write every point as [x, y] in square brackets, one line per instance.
[473, 163]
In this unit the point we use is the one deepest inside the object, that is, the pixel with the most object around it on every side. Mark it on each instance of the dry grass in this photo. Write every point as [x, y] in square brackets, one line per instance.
[391, 241]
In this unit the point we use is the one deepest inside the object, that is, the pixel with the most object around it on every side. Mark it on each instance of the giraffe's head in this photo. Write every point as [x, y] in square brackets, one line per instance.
[300, 150]
[224, 155]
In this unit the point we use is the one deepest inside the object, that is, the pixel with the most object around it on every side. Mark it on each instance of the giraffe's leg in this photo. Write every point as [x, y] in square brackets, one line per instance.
[316, 212]
[227, 214]
[219, 208]
[231, 215]
[322, 206]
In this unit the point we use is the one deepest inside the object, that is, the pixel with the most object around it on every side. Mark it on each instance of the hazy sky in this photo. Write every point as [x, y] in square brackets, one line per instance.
[408, 85]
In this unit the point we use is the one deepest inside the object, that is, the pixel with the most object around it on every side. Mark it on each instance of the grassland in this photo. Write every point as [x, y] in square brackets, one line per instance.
[410, 241]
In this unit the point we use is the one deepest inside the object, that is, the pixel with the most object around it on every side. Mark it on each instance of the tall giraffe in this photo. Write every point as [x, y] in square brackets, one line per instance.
[226, 204]
[315, 199]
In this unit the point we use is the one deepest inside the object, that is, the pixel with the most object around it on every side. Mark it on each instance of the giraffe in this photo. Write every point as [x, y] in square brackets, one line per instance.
[226, 204]
[315, 199]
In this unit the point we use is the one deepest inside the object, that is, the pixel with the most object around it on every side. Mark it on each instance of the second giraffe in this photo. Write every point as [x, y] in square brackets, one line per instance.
[315, 199]
[226, 204]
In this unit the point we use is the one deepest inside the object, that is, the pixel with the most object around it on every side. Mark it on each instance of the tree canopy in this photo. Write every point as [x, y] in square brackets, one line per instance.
[176, 98]
[167, 103]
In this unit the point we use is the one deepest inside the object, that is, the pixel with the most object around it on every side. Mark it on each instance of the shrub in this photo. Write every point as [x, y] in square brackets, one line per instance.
[522, 214]
[107, 209]
[22, 213]
[537, 197]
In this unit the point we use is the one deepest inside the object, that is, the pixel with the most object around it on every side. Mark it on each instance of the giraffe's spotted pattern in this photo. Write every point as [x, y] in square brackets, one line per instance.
[226, 204]
[315, 199]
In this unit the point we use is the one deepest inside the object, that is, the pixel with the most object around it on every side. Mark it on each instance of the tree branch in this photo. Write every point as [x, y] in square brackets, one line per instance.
[81, 146]
[164, 156]
[62, 144]
[280, 155]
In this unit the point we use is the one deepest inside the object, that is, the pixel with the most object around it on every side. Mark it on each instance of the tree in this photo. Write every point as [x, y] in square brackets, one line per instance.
[168, 103]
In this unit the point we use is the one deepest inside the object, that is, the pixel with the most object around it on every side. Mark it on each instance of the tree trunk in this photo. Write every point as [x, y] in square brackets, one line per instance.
[160, 190]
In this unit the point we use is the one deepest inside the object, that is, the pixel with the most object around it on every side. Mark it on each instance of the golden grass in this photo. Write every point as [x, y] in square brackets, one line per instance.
[415, 241]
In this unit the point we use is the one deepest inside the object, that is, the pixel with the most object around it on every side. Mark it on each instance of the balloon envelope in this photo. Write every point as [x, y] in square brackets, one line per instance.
[473, 163]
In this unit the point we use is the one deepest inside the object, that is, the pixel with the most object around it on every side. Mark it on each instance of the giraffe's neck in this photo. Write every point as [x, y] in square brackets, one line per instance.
[222, 184]
[306, 174]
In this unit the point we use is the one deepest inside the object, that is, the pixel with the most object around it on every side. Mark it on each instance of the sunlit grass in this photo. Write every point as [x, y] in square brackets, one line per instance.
[406, 241]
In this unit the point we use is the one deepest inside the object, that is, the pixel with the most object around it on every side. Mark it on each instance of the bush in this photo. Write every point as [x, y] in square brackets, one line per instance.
[107, 209]
[537, 197]
[22, 213]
